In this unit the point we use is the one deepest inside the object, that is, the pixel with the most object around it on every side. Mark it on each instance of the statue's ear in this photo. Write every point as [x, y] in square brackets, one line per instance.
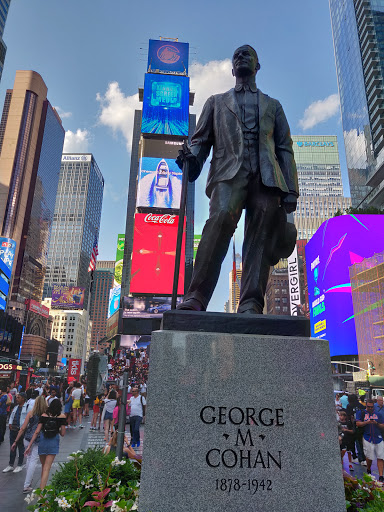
[258, 66]
[233, 74]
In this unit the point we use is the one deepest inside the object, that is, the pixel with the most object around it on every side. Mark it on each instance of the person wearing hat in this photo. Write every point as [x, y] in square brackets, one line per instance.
[252, 169]
[17, 419]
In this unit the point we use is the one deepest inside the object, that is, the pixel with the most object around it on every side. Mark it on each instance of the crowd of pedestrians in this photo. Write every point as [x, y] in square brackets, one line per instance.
[39, 416]
[361, 429]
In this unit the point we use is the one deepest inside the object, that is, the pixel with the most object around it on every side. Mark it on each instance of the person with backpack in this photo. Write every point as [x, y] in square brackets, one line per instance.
[27, 430]
[138, 405]
[51, 425]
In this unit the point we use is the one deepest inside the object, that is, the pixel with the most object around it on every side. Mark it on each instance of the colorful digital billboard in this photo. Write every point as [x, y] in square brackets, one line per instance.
[333, 252]
[159, 184]
[7, 254]
[154, 147]
[168, 56]
[146, 307]
[114, 300]
[165, 105]
[153, 254]
[119, 259]
[65, 297]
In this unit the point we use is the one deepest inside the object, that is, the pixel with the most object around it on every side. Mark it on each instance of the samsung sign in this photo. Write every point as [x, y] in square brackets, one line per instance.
[76, 158]
[315, 144]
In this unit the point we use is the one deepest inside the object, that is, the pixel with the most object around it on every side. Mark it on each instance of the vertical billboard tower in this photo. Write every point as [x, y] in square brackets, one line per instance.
[154, 194]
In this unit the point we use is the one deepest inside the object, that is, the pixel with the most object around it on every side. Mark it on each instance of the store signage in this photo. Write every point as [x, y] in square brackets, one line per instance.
[315, 144]
[7, 252]
[74, 368]
[76, 158]
[36, 307]
[294, 283]
[160, 219]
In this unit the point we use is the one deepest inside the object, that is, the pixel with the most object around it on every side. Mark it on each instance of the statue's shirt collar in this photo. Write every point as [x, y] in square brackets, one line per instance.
[246, 87]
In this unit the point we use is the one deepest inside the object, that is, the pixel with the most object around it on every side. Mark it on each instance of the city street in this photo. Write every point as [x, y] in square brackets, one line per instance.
[11, 485]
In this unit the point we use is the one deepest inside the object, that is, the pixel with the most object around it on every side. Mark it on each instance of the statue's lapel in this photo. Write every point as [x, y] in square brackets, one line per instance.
[263, 104]
[230, 101]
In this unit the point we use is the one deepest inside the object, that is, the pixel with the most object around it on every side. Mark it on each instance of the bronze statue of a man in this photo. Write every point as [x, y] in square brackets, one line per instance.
[252, 167]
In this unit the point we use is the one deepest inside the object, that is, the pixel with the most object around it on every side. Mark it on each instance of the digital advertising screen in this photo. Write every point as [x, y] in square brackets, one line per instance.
[146, 307]
[159, 183]
[114, 300]
[165, 105]
[153, 254]
[153, 148]
[168, 56]
[7, 254]
[119, 259]
[64, 297]
[335, 253]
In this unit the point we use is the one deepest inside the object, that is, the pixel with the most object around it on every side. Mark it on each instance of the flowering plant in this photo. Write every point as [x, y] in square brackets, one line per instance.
[104, 486]
[365, 494]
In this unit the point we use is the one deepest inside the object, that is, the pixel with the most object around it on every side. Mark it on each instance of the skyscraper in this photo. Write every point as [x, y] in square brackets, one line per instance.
[31, 143]
[4, 6]
[76, 221]
[320, 183]
[358, 27]
[102, 284]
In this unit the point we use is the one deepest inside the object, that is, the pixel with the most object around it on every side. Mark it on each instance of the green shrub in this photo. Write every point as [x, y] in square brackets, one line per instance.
[365, 494]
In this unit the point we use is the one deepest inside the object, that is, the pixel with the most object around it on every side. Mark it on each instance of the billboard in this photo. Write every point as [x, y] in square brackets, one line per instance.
[157, 147]
[159, 183]
[196, 241]
[74, 369]
[146, 307]
[114, 300]
[337, 247]
[7, 254]
[36, 307]
[153, 254]
[119, 259]
[64, 297]
[166, 105]
[168, 56]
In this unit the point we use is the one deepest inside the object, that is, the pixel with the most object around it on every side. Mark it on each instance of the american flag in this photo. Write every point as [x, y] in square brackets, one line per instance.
[95, 252]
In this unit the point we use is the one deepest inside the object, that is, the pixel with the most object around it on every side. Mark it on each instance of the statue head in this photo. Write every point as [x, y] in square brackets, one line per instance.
[245, 61]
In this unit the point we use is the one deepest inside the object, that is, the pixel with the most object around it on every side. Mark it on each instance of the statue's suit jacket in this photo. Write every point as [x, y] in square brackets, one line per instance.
[220, 126]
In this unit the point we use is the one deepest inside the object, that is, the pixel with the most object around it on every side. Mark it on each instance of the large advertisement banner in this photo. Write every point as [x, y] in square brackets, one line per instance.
[7, 254]
[114, 300]
[340, 296]
[153, 254]
[159, 183]
[146, 307]
[119, 259]
[36, 307]
[168, 56]
[155, 148]
[166, 105]
[74, 369]
[64, 297]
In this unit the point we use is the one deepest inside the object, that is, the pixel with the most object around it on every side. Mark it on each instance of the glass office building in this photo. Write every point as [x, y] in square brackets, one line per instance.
[76, 221]
[358, 35]
[4, 6]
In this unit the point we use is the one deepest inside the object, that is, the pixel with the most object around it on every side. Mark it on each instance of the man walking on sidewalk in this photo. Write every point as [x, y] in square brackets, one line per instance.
[15, 421]
[3, 413]
[137, 404]
[372, 438]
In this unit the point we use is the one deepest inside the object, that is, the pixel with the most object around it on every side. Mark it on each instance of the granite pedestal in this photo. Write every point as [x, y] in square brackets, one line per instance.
[240, 422]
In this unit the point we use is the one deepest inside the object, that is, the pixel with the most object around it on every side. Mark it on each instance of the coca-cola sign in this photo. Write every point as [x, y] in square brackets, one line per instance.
[160, 219]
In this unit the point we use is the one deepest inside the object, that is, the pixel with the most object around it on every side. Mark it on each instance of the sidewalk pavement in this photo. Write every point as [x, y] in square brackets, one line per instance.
[11, 485]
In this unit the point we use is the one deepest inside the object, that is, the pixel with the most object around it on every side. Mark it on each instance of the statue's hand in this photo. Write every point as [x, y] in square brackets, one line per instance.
[290, 203]
[194, 167]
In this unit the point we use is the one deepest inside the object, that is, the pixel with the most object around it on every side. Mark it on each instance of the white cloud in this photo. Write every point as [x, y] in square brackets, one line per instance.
[212, 78]
[320, 111]
[63, 114]
[116, 196]
[117, 111]
[76, 142]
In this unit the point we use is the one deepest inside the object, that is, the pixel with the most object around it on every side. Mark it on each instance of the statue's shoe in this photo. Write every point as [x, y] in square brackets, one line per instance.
[191, 305]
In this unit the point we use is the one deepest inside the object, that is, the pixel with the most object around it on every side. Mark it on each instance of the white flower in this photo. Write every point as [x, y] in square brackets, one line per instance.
[89, 486]
[63, 503]
[134, 506]
[28, 498]
[117, 462]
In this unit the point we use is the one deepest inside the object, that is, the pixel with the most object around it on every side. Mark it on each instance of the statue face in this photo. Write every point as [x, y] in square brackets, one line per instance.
[245, 62]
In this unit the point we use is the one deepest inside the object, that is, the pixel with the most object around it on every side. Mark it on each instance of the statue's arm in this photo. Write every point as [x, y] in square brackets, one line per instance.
[284, 151]
[202, 139]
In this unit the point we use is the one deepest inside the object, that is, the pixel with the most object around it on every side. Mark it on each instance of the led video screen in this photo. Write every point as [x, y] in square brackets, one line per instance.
[159, 184]
[168, 56]
[341, 252]
[65, 297]
[153, 254]
[114, 300]
[153, 148]
[146, 307]
[165, 105]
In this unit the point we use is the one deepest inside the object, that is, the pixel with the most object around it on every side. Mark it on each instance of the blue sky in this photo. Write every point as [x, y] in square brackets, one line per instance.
[92, 57]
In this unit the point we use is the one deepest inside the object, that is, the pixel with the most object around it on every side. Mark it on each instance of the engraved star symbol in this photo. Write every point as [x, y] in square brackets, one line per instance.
[226, 436]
